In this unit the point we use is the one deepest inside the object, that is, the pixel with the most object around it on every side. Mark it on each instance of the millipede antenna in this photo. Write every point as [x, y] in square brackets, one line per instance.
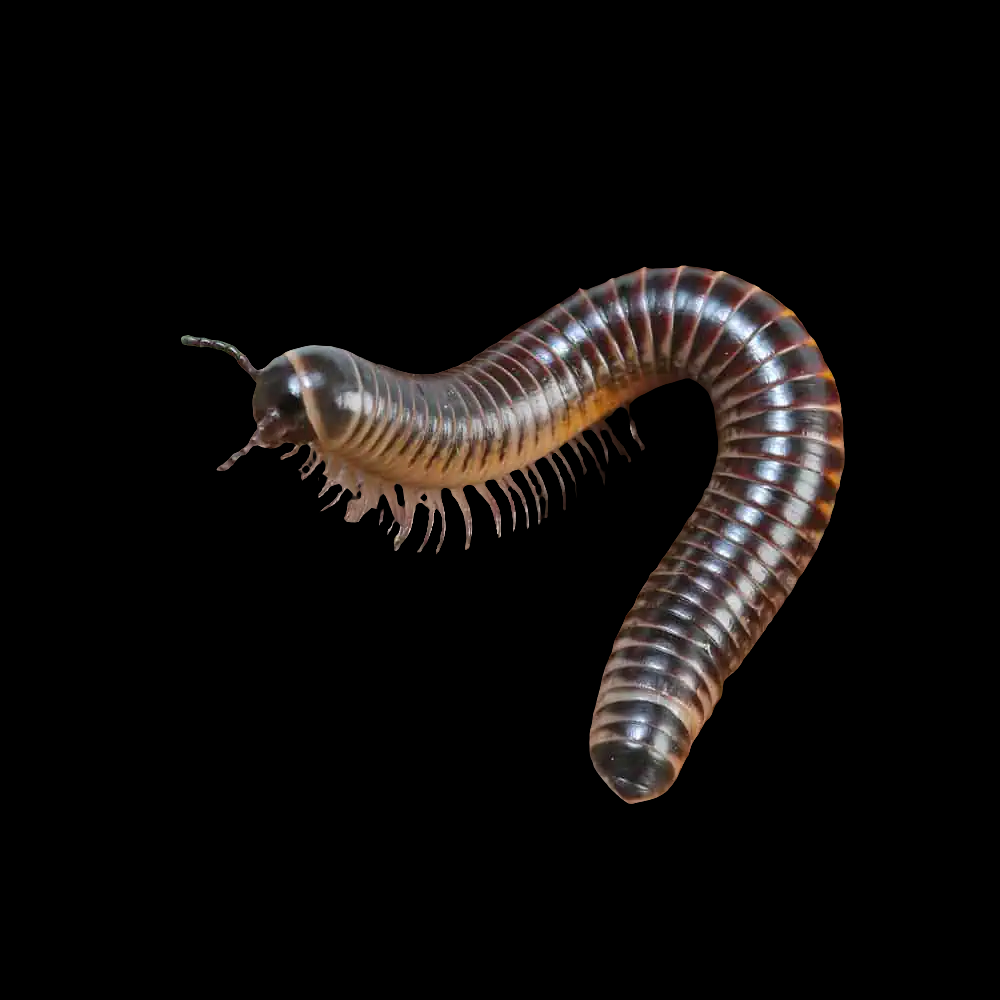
[221, 345]
[255, 441]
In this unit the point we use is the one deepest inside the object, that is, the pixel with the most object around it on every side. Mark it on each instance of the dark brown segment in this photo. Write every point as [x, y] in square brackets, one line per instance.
[768, 569]
[675, 637]
[792, 363]
[689, 300]
[727, 294]
[826, 426]
[582, 309]
[661, 285]
[579, 337]
[614, 317]
[771, 340]
[527, 389]
[796, 395]
[565, 359]
[538, 361]
[632, 295]
[743, 323]
[819, 457]
[660, 674]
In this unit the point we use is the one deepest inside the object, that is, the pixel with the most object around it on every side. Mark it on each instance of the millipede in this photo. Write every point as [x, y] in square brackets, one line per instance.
[381, 434]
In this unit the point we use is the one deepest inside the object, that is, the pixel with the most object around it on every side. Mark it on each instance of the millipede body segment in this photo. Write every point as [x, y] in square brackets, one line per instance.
[781, 454]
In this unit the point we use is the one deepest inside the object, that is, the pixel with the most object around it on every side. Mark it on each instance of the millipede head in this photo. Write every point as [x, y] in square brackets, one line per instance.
[278, 407]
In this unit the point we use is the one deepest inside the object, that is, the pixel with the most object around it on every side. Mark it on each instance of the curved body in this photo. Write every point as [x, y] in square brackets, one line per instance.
[755, 529]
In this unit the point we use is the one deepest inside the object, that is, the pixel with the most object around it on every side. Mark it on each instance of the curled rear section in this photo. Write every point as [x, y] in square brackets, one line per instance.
[754, 531]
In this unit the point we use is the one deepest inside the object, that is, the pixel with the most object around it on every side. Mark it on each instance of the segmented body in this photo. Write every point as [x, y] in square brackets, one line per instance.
[755, 529]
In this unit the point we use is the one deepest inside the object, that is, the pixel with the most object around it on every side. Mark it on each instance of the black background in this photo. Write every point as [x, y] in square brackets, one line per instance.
[330, 683]
[339, 712]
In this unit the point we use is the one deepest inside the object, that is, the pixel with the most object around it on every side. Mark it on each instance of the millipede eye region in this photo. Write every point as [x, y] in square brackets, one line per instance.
[385, 435]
